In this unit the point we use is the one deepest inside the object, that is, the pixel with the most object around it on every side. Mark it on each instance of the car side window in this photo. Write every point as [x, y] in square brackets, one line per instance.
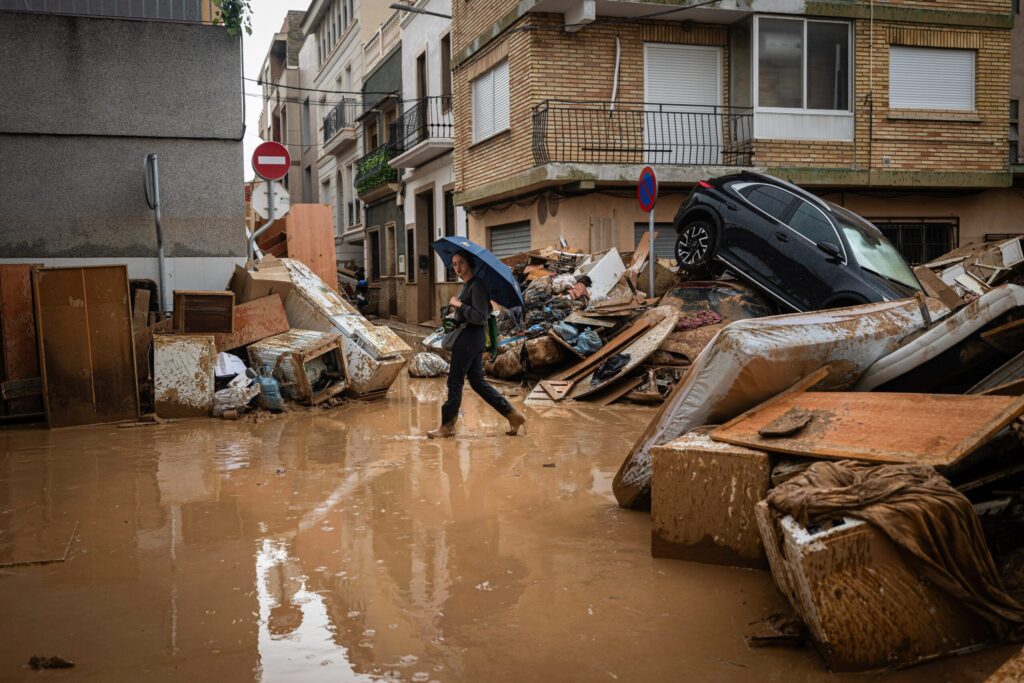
[812, 224]
[771, 200]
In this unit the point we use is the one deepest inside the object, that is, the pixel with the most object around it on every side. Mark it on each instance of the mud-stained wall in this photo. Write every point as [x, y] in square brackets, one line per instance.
[84, 102]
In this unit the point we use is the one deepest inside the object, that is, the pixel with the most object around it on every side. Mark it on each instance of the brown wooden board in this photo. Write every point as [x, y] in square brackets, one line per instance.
[929, 429]
[609, 349]
[204, 312]
[255, 320]
[85, 339]
[19, 352]
[310, 231]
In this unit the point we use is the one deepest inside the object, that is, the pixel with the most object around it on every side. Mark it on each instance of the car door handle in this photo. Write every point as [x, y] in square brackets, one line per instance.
[781, 236]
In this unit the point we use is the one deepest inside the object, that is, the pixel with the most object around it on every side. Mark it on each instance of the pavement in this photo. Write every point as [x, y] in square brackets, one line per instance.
[343, 545]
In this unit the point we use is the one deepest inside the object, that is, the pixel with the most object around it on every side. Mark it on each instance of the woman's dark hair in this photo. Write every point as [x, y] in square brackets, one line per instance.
[470, 259]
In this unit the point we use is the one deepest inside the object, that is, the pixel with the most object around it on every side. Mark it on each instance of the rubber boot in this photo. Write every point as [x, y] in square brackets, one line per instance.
[515, 421]
[443, 432]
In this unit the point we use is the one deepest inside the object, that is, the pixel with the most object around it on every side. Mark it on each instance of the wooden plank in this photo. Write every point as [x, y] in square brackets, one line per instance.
[577, 318]
[19, 388]
[1014, 388]
[609, 349]
[64, 340]
[19, 350]
[108, 306]
[564, 344]
[935, 287]
[615, 392]
[310, 231]
[1008, 338]
[1008, 373]
[254, 320]
[140, 311]
[556, 389]
[929, 429]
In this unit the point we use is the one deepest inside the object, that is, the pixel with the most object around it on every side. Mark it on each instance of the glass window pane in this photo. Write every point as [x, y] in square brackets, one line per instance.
[812, 224]
[771, 200]
[780, 63]
[828, 66]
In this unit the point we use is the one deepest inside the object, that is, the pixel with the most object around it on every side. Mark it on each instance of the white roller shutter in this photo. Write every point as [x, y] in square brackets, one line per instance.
[664, 243]
[501, 97]
[506, 240]
[686, 80]
[491, 102]
[931, 78]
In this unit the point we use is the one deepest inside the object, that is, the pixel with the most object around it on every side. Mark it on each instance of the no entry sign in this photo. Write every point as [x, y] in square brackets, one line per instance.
[271, 161]
[647, 189]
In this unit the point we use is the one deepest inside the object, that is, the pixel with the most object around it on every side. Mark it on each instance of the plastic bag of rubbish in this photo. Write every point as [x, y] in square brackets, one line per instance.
[270, 392]
[587, 342]
[563, 283]
[566, 331]
[234, 398]
[427, 365]
[228, 365]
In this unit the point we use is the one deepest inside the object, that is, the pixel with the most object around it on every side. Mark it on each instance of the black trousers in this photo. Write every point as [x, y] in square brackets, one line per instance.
[467, 361]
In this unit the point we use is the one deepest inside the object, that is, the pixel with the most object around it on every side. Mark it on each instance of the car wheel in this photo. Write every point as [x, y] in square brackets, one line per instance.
[695, 246]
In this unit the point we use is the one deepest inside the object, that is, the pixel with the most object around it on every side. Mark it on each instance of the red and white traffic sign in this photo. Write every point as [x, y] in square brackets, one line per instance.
[271, 161]
[647, 189]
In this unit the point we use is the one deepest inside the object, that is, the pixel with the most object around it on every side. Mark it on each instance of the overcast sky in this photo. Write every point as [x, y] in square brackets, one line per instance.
[267, 17]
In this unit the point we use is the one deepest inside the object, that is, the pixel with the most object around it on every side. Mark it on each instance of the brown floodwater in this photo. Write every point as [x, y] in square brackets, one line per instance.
[343, 545]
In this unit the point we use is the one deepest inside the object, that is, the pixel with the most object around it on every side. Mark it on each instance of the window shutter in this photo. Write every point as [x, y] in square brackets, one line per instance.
[501, 97]
[931, 78]
[483, 106]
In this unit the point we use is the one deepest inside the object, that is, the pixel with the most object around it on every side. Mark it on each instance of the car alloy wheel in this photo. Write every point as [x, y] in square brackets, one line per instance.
[693, 245]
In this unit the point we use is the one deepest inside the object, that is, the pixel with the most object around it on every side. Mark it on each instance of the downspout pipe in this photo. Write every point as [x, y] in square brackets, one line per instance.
[152, 187]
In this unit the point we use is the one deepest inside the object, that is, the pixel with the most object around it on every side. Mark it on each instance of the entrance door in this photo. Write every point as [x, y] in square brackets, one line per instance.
[424, 276]
[683, 98]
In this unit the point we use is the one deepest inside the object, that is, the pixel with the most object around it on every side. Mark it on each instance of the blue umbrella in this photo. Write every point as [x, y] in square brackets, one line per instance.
[497, 277]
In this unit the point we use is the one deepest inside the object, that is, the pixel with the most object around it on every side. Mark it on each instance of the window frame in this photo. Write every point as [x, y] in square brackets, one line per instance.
[482, 135]
[755, 56]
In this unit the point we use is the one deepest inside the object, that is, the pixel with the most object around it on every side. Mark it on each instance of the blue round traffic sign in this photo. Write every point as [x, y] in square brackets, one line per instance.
[647, 189]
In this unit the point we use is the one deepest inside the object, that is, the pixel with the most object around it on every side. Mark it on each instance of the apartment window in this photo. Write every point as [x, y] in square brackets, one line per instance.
[446, 73]
[307, 185]
[304, 123]
[1014, 132]
[450, 229]
[491, 103]
[803, 64]
[931, 78]
[921, 240]
[344, 14]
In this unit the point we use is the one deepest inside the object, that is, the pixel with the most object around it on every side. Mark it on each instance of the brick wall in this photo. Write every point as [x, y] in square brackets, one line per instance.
[470, 18]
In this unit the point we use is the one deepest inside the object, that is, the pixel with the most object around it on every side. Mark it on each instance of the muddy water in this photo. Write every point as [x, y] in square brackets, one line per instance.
[342, 545]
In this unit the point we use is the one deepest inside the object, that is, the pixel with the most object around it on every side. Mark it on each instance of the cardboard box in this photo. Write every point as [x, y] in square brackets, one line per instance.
[863, 604]
[703, 495]
[267, 276]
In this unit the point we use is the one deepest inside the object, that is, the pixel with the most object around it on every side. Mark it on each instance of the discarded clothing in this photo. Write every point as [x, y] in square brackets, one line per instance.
[610, 368]
[563, 283]
[587, 342]
[923, 515]
[566, 331]
[427, 365]
[693, 321]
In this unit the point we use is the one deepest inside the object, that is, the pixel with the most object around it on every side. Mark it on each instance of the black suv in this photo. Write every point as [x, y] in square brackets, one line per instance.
[806, 253]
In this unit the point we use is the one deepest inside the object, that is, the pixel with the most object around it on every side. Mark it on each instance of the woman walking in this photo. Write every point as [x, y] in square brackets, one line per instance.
[472, 308]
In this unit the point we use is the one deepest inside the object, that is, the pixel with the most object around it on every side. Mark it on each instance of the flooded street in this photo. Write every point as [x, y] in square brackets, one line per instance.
[343, 545]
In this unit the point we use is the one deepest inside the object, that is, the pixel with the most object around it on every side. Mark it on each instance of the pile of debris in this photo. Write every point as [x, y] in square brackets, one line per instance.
[870, 457]
[108, 353]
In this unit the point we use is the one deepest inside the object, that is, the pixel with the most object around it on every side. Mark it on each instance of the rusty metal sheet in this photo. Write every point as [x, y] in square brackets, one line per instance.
[19, 352]
[85, 333]
[930, 429]
[255, 320]
[183, 367]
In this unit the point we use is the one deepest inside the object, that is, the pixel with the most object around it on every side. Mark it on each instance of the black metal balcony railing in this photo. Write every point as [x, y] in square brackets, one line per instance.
[343, 115]
[372, 170]
[641, 133]
[430, 117]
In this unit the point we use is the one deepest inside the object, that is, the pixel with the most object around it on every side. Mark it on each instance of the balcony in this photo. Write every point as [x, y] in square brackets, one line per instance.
[424, 132]
[641, 133]
[340, 124]
[375, 178]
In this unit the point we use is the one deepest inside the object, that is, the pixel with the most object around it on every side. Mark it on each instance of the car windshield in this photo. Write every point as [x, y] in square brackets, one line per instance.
[872, 251]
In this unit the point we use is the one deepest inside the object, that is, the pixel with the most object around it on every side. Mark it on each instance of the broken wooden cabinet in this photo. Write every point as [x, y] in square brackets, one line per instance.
[198, 312]
[310, 365]
[183, 374]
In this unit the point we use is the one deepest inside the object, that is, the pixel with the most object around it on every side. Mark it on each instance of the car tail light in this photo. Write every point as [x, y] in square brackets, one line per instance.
[705, 184]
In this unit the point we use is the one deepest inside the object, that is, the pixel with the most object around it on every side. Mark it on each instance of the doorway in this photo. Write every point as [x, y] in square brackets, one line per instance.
[421, 260]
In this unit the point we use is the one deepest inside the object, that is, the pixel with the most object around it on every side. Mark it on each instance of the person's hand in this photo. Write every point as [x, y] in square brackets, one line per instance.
[456, 302]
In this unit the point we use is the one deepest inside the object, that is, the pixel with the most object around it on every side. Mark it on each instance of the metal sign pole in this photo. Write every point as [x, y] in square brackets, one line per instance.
[650, 244]
[263, 228]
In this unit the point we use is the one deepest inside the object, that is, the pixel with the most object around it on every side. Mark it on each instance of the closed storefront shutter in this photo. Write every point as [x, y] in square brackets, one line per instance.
[506, 240]
[664, 243]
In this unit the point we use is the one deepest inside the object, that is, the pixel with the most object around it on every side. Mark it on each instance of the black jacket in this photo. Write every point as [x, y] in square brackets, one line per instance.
[476, 306]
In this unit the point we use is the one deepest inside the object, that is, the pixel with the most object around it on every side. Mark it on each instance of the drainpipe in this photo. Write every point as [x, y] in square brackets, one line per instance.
[151, 178]
[270, 221]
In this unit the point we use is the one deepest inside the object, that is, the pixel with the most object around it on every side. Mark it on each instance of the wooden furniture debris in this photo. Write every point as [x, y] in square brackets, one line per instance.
[1008, 338]
[310, 365]
[84, 323]
[864, 605]
[254, 320]
[305, 234]
[703, 495]
[933, 286]
[183, 374]
[20, 383]
[931, 429]
[198, 312]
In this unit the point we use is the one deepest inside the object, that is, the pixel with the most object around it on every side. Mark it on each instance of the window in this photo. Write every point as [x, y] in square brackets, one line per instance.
[446, 73]
[304, 123]
[809, 221]
[449, 228]
[772, 200]
[931, 78]
[1014, 136]
[803, 64]
[307, 185]
[410, 256]
[921, 240]
[491, 102]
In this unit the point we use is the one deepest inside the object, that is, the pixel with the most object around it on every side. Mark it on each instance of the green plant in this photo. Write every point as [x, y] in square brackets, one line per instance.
[373, 170]
[235, 14]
